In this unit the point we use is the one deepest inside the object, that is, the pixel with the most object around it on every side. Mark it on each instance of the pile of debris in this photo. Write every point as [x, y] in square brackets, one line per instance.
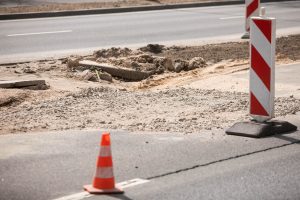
[130, 65]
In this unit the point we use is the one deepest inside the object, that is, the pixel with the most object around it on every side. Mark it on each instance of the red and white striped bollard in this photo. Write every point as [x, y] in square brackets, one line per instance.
[262, 83]
[262, 67]
[252, 10]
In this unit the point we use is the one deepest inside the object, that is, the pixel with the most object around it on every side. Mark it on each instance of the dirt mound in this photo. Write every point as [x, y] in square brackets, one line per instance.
[113, 52]
[11, 97]
[137, 61]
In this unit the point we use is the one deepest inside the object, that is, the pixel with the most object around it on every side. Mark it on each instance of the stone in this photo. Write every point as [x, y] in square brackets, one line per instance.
[145, 58]
[86, 75]
[196, 62]
[178, 67]
[134, 65]
[105, 76]
[72, 63]
[112, 52]
[29, 71]
[153, 48]
[166, 63]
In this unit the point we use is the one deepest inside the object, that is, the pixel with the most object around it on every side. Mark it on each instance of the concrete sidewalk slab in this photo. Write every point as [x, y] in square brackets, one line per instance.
[20, 83]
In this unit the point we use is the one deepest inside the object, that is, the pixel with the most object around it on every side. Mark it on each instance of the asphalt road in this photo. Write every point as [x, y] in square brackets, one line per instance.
[21, 39]
[210, 165]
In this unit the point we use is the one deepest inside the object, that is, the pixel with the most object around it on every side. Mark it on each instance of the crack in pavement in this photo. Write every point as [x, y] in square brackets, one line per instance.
[222, 160]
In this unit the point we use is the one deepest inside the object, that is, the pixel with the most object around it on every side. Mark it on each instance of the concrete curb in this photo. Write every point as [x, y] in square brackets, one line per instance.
[124, 9]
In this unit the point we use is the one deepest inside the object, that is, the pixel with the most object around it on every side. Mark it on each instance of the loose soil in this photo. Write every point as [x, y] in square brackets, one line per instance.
[163, 102]
[48, 7]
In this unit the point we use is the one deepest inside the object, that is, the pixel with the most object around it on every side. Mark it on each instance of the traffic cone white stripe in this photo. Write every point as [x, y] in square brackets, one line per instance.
[105, 151]
[104, 172]
[261, 44]
[260, 91]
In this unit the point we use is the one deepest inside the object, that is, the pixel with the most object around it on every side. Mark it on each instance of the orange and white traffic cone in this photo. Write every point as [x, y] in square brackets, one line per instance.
[104, 181]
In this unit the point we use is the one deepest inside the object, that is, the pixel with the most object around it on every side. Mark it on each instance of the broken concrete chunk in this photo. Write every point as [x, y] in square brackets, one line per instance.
[124, 73]
[26, 84]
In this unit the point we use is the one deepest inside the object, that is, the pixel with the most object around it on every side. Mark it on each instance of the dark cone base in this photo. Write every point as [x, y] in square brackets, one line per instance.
[260, 129]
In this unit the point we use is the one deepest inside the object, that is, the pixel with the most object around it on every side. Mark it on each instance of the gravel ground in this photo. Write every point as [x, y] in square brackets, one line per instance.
[177, 110]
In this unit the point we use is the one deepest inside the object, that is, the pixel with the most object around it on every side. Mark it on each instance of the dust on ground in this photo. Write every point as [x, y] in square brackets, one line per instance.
[81, 98]
[41, 6]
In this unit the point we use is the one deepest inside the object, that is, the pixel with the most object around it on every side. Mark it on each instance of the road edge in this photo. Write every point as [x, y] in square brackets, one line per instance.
[123, 9]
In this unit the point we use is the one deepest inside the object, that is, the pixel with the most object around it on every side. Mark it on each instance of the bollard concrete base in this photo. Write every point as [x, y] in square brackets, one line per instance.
[260, 129]
[246, 35]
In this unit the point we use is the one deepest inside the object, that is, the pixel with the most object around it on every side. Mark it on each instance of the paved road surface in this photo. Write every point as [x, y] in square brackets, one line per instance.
[21, 39]
[210, 165]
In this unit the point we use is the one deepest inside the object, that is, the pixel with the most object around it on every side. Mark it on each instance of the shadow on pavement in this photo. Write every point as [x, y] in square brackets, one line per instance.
[120, 196]
[286, 138]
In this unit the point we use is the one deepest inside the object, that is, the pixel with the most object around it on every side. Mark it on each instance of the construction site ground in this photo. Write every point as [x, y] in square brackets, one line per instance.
[187, 101]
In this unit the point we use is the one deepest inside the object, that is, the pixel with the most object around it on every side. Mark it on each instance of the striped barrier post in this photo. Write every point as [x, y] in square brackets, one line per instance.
[262, 67]
[252, 10]
[262, 83]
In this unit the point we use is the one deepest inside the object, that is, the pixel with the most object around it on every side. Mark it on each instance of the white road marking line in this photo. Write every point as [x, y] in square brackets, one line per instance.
[39, 33]
[233, 17]
[77, 196]
[131, 183]
[125, 184]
